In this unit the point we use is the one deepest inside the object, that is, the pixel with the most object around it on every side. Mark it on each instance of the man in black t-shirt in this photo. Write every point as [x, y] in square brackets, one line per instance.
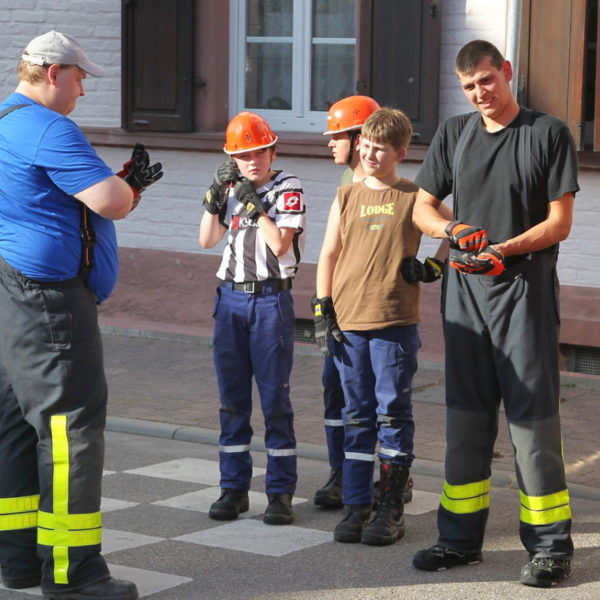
[512, 173]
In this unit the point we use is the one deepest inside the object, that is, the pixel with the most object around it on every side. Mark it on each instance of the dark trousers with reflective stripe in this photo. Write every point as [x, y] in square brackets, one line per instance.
[333, 399]
[254, 337]
[52, 417]
[501, 338]
[376, 369]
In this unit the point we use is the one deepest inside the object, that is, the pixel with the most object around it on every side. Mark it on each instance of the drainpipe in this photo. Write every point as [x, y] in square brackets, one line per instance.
[513, 37]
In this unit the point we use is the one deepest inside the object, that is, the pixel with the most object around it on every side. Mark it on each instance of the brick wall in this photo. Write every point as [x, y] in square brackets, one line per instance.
[96, 24]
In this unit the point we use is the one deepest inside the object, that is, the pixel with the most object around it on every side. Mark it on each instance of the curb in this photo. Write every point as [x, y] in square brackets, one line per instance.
[199, 435]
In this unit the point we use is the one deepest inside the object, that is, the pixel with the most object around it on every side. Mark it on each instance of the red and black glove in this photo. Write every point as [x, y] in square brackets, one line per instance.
[413, 270]
[215, 199]
[466, 237]
[486, 262]
[325, 323]
[138, 172]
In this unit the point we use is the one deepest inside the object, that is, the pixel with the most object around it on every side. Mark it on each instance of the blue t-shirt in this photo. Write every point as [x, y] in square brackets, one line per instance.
[44, 160]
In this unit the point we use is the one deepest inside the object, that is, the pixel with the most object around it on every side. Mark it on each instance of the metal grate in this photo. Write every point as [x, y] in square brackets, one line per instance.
[304, 331]
[583, 359]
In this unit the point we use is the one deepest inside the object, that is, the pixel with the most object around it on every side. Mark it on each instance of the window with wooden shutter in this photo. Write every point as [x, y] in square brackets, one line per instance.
[157, 70]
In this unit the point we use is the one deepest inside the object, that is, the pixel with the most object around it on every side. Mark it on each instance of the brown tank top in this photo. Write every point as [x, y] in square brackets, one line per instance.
[377, 233]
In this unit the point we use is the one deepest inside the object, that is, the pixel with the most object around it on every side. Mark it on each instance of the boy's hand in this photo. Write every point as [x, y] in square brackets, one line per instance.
[138, 172]
[486, 262]
[325, 323]
[227, 173]
[413, 270]
[466, 237]
[244, 191]
[215, 199]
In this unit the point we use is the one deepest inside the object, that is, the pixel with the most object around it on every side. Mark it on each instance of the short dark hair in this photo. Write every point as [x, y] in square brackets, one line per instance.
[471, 54]
[389, 126]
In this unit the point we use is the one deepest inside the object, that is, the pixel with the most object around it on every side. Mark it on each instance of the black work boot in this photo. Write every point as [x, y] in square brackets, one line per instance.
[349, 529]
[229, 505]
[330, 495]
[387, 525]
[279, 510]
[107, 589]
[407, 494]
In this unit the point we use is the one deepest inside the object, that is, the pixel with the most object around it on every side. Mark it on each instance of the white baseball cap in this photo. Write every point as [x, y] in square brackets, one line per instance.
[54, 48]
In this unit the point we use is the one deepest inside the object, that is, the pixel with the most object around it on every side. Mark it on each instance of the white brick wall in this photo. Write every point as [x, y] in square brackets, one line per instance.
[96, 24]
[168, 216]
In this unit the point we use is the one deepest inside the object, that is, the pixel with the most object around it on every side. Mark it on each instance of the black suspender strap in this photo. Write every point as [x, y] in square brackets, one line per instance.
[8, 110]
[88, 236]
[465, 135]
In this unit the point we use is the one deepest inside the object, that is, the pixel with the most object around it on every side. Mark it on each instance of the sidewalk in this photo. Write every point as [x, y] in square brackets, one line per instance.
[162, 383]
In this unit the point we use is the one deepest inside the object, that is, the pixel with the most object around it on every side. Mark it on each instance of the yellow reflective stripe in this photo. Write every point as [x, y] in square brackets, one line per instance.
[19, 504]
[60, 555]
[545, 502]
[60, 498]
[543, 510]
[75, 521]
[466, 498]
[545, 517]
[60, 460]
[69, 539]
[18, 521]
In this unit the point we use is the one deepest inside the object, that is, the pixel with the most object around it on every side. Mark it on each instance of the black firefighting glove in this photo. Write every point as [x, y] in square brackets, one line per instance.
[413, 270]
[244, 191]
[486, 262]
[466, 237]
[215, 199]
[325, 323]
[138, 172]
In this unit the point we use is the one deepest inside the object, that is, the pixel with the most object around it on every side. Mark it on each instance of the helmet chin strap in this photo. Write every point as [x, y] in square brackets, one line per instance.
[353, 135]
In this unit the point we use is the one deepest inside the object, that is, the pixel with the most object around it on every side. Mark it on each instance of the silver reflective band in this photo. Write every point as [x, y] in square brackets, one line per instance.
[359, 456]
[282, 452]
[232, 449]
[334, 422]
[388, 452]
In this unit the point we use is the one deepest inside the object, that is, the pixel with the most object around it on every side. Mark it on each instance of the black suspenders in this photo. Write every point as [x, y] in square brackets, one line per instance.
[88, 236]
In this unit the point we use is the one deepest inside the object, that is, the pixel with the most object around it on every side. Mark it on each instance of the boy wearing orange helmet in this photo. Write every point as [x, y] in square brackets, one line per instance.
[262, 212]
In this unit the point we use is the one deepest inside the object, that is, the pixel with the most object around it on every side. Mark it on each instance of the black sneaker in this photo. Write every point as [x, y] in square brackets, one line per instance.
[229, 505]
[438, 558]
[545, 571]
[22, 582]
[279, 510]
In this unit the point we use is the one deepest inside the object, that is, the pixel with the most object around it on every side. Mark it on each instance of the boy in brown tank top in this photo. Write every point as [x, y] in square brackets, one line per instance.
[366, 304]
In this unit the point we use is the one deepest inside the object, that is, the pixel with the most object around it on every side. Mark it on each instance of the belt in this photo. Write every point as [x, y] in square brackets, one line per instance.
[258, 287]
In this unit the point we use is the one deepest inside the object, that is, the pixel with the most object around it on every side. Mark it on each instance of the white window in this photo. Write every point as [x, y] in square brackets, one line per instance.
[292, 59]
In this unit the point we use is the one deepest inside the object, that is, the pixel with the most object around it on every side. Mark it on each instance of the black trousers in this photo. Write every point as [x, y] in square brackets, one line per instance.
[501, 336]
[52, 417]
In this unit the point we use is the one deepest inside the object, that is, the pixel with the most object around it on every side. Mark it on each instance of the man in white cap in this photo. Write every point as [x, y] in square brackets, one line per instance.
[58, 259]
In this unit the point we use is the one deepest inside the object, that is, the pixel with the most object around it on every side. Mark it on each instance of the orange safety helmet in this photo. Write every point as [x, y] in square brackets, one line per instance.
[248, 131]
[349, 113]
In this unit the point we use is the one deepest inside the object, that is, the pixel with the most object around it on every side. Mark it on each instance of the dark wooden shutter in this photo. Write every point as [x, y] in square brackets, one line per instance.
[552, 60]
[403, 70]
[158, 62]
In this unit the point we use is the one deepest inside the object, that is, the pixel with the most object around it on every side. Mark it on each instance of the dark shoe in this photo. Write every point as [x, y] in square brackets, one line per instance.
[545, 571]
[229, 505]
[20, 583]
[387, 526]
[330, 495]
[438, 558]
[349, 529]
[279, 510]
[107, 589]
